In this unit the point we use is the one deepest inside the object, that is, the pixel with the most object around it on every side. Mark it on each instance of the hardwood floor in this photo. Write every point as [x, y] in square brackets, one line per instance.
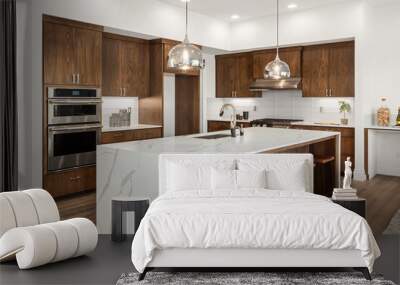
[82, 205]
[383, 200]
[382, 194]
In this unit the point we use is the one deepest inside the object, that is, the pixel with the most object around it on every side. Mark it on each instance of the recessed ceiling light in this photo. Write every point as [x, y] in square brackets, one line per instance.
[235, 17]
[292, 6]
[184, 1]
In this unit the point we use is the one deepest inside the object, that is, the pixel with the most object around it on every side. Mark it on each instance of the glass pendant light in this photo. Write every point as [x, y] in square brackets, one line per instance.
[277, 69]
[185, 55]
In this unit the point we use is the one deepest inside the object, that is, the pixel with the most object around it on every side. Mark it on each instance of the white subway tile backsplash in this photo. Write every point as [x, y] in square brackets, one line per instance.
[283, 104]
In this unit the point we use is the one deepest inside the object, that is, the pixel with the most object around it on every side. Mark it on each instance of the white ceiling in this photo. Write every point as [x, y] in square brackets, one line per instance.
[247, 9]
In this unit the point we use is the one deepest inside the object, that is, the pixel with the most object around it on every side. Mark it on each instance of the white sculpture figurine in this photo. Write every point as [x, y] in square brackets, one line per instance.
[347, 174]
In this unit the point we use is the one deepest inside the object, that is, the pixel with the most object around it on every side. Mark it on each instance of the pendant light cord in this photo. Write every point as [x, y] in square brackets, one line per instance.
[277, 28]
[186, 30]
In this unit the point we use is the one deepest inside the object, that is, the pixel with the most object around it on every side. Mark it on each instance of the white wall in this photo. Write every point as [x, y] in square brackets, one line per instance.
[169, 105]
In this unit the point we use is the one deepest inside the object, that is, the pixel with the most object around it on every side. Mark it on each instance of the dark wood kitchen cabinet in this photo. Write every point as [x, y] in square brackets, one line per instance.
[71, 181]
[328, 70]
[71, 52]
[130, 135]
[234, 74]
[125, 66]
[292, 56]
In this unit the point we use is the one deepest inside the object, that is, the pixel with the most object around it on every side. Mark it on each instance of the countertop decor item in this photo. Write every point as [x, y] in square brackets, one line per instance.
[185, 55]
[383, 114]
[344, 107]
[398, 118]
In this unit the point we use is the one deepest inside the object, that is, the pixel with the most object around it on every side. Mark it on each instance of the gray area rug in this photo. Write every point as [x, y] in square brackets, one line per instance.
[394, 225]
[244, 278]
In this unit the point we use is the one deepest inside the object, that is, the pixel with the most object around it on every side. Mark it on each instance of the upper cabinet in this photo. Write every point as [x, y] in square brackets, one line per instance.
[328, 70]
[71, 52]
[167, 45]
[234, 74]
[292, 56]
[126, 64]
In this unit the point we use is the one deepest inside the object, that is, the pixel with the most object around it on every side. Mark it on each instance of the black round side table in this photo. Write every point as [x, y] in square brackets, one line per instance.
[121, 204]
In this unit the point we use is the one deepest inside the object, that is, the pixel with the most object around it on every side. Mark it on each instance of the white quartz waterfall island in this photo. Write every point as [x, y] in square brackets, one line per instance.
[131, 168]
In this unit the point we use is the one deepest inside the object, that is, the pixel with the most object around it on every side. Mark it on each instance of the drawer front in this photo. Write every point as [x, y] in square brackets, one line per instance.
[115, 137]
[63, 183]
[146, 134]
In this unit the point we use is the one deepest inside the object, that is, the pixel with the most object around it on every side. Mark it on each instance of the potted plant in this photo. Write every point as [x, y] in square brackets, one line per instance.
[344, 107]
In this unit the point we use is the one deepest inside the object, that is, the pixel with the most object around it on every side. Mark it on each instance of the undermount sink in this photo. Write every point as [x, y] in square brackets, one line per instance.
[212, 137]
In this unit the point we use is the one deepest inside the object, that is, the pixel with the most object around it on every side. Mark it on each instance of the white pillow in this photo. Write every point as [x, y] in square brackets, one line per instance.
[183, 177]
[281, 173]
[291, 178]
[223, 179]
[251, 178]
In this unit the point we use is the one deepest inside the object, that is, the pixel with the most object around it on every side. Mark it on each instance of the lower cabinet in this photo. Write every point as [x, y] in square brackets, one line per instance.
[214, 126]
[130, 135]
[71, 181]
[347, 147]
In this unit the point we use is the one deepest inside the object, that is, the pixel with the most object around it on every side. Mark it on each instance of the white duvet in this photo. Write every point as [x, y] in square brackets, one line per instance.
[250, 219]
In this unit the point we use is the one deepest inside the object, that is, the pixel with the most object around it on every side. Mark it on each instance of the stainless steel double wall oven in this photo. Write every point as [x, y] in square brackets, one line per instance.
[74, 126]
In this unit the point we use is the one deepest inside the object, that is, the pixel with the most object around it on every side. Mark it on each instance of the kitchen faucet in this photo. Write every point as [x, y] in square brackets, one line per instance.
[233, 118]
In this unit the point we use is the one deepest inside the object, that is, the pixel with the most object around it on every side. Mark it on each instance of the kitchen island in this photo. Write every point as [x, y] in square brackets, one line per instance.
[131, 168]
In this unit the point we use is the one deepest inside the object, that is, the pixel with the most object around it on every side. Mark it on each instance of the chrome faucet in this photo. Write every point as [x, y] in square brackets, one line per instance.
[233, 118]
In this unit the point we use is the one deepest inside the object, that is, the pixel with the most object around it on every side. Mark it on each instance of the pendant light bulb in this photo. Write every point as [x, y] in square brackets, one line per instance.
[277, 69]
[185, 55]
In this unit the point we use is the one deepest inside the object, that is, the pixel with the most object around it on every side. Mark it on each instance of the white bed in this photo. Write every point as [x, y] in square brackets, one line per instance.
[220, 211]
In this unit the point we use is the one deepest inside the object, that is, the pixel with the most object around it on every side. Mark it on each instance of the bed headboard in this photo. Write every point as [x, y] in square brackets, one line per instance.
[284, 161]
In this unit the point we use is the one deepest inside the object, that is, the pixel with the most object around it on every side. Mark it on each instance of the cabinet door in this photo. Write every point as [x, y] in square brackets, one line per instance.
[111, 67]
[341, 70]
[88, 56]
[225, 76]
[315, 71]
[58, 55]
[244, 76]
[135, 69]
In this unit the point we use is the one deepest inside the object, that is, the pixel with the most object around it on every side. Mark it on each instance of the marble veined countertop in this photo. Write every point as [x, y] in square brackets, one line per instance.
[134, 127]
[255, 140]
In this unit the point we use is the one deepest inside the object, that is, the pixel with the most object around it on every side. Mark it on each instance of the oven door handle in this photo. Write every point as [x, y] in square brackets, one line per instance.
[75, 101]
[72, 128]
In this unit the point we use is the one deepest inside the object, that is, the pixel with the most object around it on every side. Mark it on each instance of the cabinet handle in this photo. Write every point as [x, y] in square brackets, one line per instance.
[326, 91]
[330, 92]
[120, 92]
[73, 78]
[78, 78]
[74, 178]
[124, 91]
